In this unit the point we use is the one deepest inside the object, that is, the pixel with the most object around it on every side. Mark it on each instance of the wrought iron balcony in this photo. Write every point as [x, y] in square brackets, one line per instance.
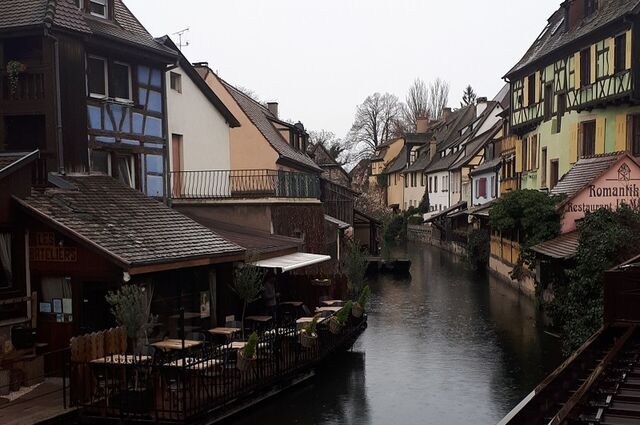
[243, 184]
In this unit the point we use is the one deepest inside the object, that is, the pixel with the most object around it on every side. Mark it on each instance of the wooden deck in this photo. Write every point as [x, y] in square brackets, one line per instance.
[44, 403]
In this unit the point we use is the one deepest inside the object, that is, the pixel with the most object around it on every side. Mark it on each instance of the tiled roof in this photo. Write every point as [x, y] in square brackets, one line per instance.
[10, 161]
[583, 173]
[556, 36]
[124, 224]
[64, 14]
[562, 247]
[399, 163]
[423, 161]
[251, 239]
[474, 146]
[487, 166]
[261, 118]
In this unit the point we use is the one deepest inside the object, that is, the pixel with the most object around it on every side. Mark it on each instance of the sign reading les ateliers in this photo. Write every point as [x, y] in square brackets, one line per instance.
[620, 185]
[45, 250]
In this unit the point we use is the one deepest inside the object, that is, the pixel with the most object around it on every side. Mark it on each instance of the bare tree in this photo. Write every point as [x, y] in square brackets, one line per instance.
[438, 97]
[376, 122]
[416, 105]
[334, 146]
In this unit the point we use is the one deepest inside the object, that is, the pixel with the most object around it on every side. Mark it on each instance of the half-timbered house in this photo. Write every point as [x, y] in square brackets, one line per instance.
[574, 93]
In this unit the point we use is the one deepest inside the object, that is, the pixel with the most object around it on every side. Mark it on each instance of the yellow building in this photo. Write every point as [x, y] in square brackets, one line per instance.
[385, 153]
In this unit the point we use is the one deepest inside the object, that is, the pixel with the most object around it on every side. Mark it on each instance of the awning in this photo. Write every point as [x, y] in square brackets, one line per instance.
[561, 248]
[290, 262]
[341, 224]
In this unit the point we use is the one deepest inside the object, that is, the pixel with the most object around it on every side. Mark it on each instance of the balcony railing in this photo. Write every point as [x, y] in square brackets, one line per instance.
[29, 86]
[242, 184]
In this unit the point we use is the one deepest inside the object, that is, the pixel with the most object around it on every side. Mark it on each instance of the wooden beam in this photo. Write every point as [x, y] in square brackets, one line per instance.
[154, 268]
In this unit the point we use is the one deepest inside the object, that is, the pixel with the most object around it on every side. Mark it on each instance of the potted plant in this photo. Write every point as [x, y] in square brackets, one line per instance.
[247, 284]
[360, 305]
[338, 322]
[355, 266]
[14, 69]
[247, 356]
[309, 334]
[131, 307]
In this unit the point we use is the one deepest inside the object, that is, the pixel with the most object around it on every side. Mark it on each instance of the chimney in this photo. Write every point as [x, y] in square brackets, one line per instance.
[422, 125]
[446, 113]
[273, 108]
[433, 148]
[481, 105]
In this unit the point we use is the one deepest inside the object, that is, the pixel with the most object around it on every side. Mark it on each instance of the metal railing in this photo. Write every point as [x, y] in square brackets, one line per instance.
[238, 184]
[185, 385]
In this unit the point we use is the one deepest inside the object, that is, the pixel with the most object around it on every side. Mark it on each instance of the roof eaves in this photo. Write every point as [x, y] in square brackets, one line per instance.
[24, 160]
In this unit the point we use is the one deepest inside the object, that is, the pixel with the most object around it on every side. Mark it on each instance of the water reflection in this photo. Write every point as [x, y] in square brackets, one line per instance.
[449, 346]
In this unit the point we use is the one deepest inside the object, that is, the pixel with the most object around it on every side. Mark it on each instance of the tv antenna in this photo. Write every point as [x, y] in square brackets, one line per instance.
[180, 34]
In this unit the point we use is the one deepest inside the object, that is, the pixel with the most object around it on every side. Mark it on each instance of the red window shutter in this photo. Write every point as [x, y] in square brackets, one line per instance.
[483, 188]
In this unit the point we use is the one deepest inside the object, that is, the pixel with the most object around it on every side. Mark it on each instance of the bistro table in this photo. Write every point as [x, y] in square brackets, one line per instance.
[259, 321]
[176, 344]
[333, 303]
[328, 309]
[228, 332]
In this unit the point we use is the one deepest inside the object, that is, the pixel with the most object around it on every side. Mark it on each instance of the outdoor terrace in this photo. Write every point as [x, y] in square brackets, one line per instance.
[185, 381]
[243, 184]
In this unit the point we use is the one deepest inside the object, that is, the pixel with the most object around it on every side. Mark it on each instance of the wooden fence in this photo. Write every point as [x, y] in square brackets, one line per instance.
[505, 249]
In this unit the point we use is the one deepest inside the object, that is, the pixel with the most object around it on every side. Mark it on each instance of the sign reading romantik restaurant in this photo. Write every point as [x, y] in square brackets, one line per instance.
[619, 185]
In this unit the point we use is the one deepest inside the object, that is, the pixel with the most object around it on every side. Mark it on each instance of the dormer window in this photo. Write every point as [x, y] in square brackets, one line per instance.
[590, 7]
[79, 4]
[98, 8]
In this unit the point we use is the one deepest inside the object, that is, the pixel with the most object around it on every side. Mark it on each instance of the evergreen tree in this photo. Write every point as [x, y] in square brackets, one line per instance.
[468, 97]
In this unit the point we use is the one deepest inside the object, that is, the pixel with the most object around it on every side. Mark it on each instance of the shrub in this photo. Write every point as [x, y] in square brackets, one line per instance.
[478, 248]
[131, 308]
[311, 328]
[247, 284]
[364, 296]
[343, 314]
[249, 350]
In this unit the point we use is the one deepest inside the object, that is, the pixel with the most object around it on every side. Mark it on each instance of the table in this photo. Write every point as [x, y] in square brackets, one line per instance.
[238, 345]
[333, 303]
[259, 319]
[224, 331]
[296, 304]
[121, 359]
[328, 309]
[176, 344]
[195, 364]
[187, 316]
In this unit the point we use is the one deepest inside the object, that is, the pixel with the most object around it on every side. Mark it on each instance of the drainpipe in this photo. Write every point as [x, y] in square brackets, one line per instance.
[59, 133]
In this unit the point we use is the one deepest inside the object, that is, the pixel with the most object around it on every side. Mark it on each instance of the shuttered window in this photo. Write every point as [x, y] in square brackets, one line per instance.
[621, 53]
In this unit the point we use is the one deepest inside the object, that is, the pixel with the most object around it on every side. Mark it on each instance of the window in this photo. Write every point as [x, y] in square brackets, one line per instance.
[126, 170]
[6, 271]
[430, 184]
[101, 162]
[590, 7]
[532, 89]
[525, 154]
[585, 67]
[533, 163]
[435, 184]
[422, 179]
[79, 4]
[621, 53]
[548, 102]
[482, 191]
[553, 178]
[97, 76]
[176, 81]
[406, 181]
[494, 189]
[588, 145]
[562, 108]
[543, 168]
[99, 8]
[121, 81]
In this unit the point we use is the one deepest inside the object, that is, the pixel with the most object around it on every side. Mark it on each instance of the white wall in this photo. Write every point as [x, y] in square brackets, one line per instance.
[204, 130]
[477, 200]
[439, 200]
[413, 195]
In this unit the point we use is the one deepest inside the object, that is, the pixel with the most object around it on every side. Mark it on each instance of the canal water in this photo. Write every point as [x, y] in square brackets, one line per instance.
[448, 346]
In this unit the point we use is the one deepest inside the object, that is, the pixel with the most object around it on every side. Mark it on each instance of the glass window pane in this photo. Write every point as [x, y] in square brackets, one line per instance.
[97, 76]
[126, 170]
[121, 81]
[98, 7]
[103, 139]
[100, 162]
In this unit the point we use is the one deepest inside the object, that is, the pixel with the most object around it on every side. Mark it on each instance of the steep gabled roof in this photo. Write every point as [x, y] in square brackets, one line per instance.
[584, 172]
[64, 14]
[123, 224]
[204, 88]
[262, 118]
[474, 146]
[399, 163]
[555, 35]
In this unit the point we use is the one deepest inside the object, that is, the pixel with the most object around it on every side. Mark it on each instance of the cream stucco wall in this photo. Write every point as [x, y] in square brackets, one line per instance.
[395, 190]
[413, 195]
[205, 132]
[249, 149]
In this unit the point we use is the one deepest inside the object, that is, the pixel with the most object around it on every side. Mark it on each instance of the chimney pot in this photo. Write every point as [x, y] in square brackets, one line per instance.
[273, 108]
[446, 113]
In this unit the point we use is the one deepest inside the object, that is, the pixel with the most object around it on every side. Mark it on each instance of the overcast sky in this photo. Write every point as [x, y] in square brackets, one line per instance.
[321, 58]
